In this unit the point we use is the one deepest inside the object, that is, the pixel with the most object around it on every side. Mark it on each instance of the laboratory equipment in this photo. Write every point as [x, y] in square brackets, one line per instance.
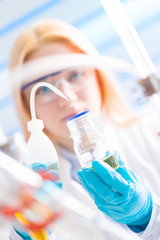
[12, 145]
[89, 142]
[40, 149]
[53, 63]
[150, 77]
[39, 208]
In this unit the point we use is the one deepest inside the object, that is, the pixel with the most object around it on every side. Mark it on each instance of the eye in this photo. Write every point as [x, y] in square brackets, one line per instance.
[76, 75]
[43, 91]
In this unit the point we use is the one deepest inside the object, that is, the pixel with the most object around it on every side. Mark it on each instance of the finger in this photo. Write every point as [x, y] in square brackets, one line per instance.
[98, 200]
[85, 184]
[99, 187]
[123, 170]
[111, 177]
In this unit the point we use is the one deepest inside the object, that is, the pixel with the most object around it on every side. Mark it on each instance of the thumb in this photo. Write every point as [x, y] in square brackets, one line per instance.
[111, 177]
[123, 170]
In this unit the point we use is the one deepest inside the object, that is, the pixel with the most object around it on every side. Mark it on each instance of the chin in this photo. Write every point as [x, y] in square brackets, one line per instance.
[64, 132]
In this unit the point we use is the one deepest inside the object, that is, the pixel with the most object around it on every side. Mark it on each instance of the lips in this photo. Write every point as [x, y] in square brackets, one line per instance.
[70, 115]
[75, 111]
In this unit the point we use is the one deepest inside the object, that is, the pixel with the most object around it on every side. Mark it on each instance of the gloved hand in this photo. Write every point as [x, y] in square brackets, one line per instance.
[120, 194]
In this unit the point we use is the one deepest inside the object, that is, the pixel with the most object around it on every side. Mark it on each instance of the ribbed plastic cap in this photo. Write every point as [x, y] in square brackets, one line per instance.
[35, 124]
[78, 115]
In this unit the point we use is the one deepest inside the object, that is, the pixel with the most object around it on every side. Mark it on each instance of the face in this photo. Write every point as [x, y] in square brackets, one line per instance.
[54, 113]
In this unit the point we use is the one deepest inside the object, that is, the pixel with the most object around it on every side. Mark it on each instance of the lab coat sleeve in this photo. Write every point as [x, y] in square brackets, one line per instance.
[13, 235]
[152, 232]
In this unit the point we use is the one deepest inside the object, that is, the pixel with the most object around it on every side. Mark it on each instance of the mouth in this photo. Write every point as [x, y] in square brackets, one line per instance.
[70, 115]
[73, 114]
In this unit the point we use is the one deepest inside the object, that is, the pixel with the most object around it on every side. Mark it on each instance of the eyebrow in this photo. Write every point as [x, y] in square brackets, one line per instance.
[40, 79]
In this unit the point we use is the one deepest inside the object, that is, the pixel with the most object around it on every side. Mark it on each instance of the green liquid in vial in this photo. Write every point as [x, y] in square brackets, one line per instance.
[112, 161]
[53, 166]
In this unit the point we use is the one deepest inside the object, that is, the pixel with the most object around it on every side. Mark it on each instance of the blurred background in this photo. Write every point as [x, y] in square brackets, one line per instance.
[90, 18]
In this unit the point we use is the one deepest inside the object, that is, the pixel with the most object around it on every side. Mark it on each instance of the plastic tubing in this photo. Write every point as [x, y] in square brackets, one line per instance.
[129, 37]
[32, 98]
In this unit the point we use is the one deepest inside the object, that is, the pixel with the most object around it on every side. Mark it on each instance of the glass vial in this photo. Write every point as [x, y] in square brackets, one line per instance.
[89, 141]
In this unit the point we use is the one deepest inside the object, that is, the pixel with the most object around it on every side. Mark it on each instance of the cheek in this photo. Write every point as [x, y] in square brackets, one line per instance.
[48, 116]
[92, 98]
[52, 121]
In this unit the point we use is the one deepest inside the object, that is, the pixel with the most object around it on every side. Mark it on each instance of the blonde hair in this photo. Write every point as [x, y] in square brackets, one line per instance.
[47, 31]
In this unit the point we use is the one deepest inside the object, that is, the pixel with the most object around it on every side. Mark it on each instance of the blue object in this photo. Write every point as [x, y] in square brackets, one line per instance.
[78, 115]
[38, 166]
[23, 235]
[40, 79]
[42, 167]
[120, 194]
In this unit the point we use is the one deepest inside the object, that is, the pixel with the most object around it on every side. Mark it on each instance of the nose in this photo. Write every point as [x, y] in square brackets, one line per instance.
[67, 90]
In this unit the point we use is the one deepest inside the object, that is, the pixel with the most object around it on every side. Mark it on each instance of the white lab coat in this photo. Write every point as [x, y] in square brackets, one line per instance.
[139, 147]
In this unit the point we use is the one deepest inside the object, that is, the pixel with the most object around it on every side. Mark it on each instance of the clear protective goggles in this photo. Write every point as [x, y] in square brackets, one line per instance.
[74, 79]
[68, 70]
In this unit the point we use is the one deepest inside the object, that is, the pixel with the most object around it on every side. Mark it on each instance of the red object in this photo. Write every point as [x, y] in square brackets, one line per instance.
[9, 211]
[47, 175]
[37, 226]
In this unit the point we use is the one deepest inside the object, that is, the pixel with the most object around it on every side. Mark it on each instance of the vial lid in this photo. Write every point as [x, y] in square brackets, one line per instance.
[78, 115]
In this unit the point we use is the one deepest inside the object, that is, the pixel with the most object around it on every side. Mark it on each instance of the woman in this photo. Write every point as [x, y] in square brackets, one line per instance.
[131, 137]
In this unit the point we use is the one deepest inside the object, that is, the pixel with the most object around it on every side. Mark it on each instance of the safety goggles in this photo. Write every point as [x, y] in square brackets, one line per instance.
[74, 79]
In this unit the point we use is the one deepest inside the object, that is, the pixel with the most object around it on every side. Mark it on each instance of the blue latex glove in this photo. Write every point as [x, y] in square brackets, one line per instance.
[120, 194]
